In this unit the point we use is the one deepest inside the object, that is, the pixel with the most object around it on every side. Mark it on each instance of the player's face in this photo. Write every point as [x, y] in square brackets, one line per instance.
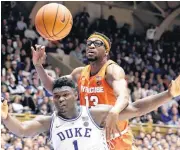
[95, 49]
[65, 99]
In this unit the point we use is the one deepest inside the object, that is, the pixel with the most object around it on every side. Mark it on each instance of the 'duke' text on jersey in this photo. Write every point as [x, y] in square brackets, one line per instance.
[74, 132]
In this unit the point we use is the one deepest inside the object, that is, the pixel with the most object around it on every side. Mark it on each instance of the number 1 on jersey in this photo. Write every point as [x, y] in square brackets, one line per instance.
[93, 99]
[75, 145]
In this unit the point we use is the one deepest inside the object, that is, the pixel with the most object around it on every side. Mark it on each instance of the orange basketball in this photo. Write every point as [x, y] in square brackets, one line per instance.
[53, 21]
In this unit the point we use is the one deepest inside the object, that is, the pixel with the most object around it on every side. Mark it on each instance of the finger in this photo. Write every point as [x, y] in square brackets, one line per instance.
[178, 79]
[43, 49]
[107, 133]
[118, 130]
[113, 134]
[43, 53]
[44, 56]
[5, 102]
[33, 50]
[38, 47]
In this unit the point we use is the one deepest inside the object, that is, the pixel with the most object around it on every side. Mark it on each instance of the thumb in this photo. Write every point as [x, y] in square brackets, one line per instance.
[43, 49]
[33, 50]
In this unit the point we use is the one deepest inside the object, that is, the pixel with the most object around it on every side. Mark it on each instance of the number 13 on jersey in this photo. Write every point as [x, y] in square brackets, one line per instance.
[92, 99]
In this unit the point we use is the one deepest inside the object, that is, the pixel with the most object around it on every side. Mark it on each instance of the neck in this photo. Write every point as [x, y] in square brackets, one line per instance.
[97, 65]
[70, 114]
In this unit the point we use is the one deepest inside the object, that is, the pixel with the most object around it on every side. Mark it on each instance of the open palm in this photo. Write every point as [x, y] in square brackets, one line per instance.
[4, 109]
[174, 87]
[38, 55]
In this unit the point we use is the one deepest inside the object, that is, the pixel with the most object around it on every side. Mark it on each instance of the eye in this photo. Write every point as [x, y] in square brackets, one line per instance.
[65, 95]
[56, 96]
[98, 43]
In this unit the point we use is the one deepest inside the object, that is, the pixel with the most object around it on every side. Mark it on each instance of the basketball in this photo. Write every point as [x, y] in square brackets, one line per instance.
[53, 21]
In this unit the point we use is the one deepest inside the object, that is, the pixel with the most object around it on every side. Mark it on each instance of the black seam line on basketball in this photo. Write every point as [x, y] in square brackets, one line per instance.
[55, 20]
[62, 29]
[65, 25]
[45, 25]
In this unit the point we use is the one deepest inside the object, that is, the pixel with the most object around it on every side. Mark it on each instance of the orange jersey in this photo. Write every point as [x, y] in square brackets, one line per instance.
[95, 90]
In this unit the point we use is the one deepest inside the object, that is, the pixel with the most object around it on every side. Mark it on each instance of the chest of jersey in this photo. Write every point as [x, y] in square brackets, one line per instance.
[77, 134]
[95, 90]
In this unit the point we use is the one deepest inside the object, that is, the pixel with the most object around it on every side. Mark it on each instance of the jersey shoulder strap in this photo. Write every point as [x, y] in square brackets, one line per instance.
[85, 71]
[103, 70]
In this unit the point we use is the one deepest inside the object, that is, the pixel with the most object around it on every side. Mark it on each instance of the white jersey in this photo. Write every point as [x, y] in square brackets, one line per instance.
[80, 133]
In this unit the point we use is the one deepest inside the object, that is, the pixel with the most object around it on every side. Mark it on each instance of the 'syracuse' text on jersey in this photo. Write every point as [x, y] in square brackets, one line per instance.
[80, 133]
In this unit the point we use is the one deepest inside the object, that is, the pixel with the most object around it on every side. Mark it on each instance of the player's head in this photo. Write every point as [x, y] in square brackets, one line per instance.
[98, 46]
[64, 95]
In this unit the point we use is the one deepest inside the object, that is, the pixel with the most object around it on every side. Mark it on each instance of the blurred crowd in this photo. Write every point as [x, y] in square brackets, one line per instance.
[11, 142]
[149, 66]
[157, 141]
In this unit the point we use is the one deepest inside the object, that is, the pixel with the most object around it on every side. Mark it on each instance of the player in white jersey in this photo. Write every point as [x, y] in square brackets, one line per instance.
[74, 127]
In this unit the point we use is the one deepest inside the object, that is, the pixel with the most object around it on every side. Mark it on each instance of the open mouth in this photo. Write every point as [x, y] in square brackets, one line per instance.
[90, 53]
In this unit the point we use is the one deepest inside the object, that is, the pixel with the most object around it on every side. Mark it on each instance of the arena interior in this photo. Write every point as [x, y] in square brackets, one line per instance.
[145, 40]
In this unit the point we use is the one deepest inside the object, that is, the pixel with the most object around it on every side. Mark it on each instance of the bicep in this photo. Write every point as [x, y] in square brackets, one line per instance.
[36, 126]
[76, 73]
[116, 79]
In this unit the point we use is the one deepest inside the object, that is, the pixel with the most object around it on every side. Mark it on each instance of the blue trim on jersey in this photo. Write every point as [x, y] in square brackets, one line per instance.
[89, 114]
[69, 120]
[50, 129]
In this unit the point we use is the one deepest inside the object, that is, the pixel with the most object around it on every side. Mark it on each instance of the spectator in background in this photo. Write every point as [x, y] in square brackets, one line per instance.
[42, 41]
[165, 118]
[77, 54]
[150, 34]
[156, 116]
[15, 89]
[29, 33]
[16, 105]
[21, 26]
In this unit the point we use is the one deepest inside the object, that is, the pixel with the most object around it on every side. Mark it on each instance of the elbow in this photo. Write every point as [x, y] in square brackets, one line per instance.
[138, 112]
[23, 133]
[20, 132]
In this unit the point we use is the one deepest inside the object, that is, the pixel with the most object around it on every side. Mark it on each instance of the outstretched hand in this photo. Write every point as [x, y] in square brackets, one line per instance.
[174, 87]
[4, 109]
[38, 55]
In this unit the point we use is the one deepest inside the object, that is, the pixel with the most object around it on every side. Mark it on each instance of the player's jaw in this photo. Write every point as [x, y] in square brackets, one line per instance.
[91, 54]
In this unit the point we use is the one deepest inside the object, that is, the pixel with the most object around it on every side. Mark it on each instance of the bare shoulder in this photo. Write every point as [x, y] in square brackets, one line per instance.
[114, 72]
[76, 73]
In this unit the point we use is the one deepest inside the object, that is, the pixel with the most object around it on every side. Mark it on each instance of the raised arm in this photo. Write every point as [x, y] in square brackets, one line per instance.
[115, 77]
[38, 57]
[150, 103]
[27, 128]
[141, 106]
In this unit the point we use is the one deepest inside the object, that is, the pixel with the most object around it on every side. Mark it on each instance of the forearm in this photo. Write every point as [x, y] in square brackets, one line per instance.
[14, 125]
[144, 106]
[45, 78]
[121, 103]
[150, 103]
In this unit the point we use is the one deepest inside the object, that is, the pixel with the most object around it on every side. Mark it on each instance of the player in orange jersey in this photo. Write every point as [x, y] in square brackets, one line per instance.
[101, 82]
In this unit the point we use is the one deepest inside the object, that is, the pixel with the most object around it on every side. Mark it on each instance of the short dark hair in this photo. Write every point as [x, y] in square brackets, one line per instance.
[104, 36]
[63, 81]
